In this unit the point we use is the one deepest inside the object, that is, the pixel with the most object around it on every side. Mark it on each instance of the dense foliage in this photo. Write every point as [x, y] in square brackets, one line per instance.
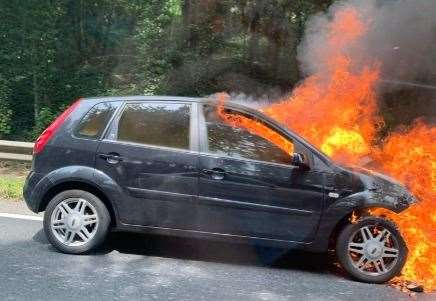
[54, 51]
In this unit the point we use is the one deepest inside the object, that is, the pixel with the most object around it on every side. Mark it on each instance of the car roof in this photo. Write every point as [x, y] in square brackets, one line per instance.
[208, 99]
[143, 98]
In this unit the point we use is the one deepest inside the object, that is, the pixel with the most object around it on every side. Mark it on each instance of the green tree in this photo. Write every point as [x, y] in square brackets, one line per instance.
[5, 112]
[54, 51]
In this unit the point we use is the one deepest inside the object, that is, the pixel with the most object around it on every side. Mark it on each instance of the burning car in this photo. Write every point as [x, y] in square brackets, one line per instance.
[193, 167]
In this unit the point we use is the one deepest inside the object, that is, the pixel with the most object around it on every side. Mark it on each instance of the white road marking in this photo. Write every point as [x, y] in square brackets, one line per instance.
[21, 216]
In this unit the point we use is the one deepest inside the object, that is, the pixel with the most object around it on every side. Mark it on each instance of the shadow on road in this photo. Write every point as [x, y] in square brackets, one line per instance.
[220, 252]
[203, 250]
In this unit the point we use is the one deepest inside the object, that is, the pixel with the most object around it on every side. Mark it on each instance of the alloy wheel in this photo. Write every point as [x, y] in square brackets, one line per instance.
[373, 250]
[74, 222]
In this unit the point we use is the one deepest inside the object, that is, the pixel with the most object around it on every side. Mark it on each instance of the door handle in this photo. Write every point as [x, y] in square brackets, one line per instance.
[215, 173]
[111, 158]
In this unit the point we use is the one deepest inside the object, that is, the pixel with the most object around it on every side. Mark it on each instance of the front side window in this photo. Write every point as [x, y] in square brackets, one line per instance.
[94, 122]
[160, 124]
[228, 138]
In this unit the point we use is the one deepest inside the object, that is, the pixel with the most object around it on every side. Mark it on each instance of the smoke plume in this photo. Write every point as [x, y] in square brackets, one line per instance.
[400, 36]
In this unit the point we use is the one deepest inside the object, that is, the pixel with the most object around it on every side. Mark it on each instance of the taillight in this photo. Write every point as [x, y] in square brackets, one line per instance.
[48, 133]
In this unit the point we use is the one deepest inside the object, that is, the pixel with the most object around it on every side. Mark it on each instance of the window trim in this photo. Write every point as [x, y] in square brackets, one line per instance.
[193, 123]
[150, 146]
[216, 156]
[203, 139]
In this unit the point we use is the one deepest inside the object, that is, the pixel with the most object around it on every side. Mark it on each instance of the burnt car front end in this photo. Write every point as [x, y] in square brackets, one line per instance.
[353, 190]
[381, 190]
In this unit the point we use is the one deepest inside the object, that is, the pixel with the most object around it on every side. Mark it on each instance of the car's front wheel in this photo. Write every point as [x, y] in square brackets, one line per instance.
[76, 221]
[371, 250]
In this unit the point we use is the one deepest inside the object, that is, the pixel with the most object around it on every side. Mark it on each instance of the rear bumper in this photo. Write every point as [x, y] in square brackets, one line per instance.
[34, 187]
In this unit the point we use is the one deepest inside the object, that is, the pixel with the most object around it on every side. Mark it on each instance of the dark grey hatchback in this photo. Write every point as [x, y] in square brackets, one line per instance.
[172, 166]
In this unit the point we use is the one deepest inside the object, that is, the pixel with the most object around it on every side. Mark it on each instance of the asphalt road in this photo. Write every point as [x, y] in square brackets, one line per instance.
[137, 267]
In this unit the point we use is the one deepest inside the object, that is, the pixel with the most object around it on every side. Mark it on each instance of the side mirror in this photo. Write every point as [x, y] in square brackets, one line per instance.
[298, 159]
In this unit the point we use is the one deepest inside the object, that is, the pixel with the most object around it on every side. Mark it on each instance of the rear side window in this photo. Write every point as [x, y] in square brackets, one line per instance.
[160, 124]
[94, 122]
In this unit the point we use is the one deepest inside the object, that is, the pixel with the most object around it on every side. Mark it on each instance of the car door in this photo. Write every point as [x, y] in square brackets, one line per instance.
[151, 151]
[248, 187]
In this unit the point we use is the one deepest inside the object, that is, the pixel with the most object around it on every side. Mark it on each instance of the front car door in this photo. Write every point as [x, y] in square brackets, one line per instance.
[248, 187]
[151, 151]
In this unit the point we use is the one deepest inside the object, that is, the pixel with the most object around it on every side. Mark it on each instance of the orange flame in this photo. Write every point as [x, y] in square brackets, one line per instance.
[336, 110]
[255, 127]
[411, 158]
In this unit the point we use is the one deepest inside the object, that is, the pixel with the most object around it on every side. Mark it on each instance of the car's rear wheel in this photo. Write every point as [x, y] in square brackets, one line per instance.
[76, 221]
[371, 250]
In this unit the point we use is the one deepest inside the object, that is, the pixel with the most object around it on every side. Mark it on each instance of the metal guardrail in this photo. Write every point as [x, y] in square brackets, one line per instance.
[16, 151]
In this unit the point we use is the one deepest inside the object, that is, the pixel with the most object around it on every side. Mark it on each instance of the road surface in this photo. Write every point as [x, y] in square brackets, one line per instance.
[133, 267]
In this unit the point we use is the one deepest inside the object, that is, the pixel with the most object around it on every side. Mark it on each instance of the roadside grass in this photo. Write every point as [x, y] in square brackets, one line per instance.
[12, 177]
[11, 187]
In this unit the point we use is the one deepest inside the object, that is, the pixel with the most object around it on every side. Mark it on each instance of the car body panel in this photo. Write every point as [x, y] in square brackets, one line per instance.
[260, 199]
[159, 185]
[163, 191]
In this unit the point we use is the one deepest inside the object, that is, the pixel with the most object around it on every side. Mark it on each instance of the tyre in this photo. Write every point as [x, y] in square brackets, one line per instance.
[371, 250]
[76, 222]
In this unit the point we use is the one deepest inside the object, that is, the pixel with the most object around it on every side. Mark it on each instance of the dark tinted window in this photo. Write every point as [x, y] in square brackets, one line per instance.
[94, 122]
[228, 140]
[161, 124]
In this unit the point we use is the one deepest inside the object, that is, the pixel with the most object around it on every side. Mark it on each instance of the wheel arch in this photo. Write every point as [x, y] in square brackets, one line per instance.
[348, 218]
[80, 185]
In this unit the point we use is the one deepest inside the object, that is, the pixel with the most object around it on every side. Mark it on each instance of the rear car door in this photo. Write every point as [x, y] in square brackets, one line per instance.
[151, 151]
[248, 186]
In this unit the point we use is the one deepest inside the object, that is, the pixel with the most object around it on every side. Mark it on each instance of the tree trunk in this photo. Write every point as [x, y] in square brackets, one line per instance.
[36, 105]
[35, 85]
[189, 18]
[253, 43]
[82, 30]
